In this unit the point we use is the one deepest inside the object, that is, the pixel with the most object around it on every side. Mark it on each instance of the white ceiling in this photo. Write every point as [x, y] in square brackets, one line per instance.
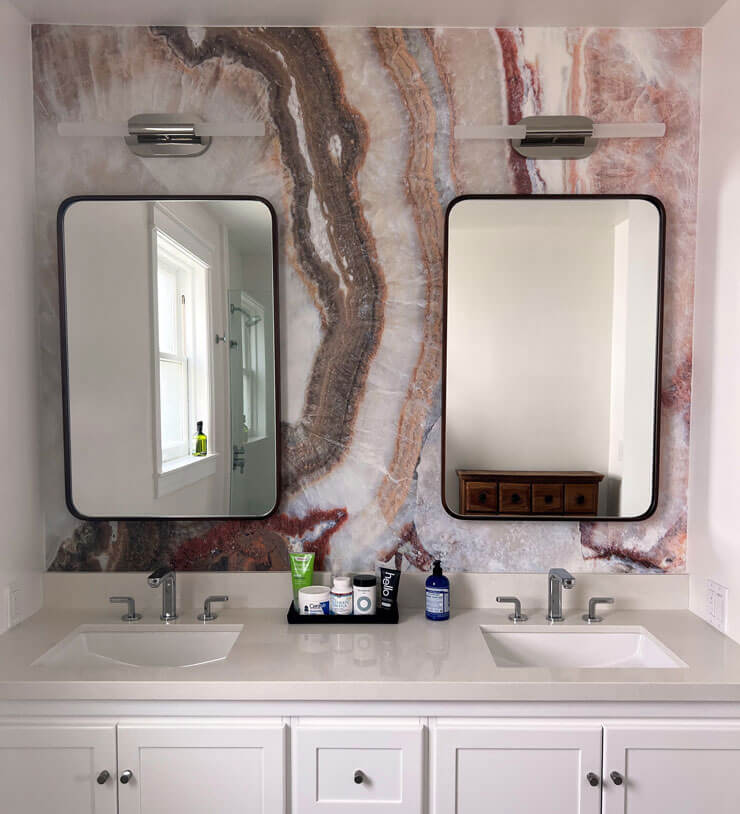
[372, 12]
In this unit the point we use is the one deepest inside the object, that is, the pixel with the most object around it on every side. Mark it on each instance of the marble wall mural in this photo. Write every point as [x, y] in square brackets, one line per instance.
[360, 164]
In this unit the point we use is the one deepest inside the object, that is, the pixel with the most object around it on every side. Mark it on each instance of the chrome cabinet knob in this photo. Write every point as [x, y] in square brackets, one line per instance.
[517, 616]
[126, 776]
[617, 778]
[103, 777]
[593, 779]
[359, 777]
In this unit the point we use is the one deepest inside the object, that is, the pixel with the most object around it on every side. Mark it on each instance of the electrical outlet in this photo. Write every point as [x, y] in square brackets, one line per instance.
[716, 607]
[14, 604]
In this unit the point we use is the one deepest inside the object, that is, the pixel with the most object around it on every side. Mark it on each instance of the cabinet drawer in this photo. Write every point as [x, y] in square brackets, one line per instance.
[514, 498]
[481, 496]
[581, 498]
[547, 498]
[360, 764]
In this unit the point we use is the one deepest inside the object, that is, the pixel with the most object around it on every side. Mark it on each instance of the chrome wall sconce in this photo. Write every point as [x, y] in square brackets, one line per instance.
[558, 137]
[164, 135]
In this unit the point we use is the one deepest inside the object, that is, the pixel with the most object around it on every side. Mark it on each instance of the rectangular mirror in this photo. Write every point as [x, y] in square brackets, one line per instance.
[170, 354]
[552, 357]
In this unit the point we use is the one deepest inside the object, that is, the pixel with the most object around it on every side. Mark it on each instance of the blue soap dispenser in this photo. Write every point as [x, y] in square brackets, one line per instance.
[438, 594]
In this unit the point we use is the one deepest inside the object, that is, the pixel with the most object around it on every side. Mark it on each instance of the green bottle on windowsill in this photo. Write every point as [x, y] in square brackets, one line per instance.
[201, 442]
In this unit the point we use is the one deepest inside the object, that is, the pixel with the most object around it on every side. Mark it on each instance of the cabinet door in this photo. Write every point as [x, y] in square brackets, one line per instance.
[515, 767]
[681, 767]
[373, 765]
[48, 767]
[192, 767]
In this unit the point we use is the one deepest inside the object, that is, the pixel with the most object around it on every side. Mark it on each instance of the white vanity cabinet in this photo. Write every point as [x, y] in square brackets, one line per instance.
[192, 766]
[681, 767]
[374, 765]
[479, 766]
[397, 764]
[64, 767]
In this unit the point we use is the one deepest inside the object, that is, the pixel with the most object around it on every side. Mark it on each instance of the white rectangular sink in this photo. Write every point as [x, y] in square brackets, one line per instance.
[580, 648]
[142, 646]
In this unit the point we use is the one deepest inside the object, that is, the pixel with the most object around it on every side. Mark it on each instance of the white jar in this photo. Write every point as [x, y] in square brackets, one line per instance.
[364, 587]
[313, 600]
[340, 601]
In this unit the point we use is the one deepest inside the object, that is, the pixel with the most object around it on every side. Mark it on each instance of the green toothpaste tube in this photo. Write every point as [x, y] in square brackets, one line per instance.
[301, 570]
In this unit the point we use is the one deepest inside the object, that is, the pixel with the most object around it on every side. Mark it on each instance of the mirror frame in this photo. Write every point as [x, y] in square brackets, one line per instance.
[656, 202]
[64, 350]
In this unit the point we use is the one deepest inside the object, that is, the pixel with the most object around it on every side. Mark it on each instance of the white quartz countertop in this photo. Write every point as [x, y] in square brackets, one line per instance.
[416, 660]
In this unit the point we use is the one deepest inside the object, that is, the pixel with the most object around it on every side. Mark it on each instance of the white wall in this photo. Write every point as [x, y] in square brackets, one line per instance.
[529, 376]
[109, 279]
[21, 533]
[633, 360]
[714, 487]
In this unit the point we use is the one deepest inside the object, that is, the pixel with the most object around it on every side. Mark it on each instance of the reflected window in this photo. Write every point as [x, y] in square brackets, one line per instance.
[182, 319]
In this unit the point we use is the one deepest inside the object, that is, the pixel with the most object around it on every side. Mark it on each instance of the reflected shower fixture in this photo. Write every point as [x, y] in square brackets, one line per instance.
[162, 135]
[558, 137]
[250, 319]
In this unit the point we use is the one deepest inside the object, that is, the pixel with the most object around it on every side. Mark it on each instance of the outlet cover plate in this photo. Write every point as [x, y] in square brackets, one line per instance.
[716, 607]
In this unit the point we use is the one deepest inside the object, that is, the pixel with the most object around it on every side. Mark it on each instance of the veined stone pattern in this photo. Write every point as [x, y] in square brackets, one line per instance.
[360, 163]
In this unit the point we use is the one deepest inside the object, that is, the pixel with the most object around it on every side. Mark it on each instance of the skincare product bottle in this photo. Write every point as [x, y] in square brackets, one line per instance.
[314, 600]
[438, 594]
[389, 579]
[340, 600]
[301, 572]
[364, 593]
[200, 442]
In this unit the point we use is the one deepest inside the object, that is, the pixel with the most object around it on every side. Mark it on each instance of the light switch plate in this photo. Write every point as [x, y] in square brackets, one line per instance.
[716, 607]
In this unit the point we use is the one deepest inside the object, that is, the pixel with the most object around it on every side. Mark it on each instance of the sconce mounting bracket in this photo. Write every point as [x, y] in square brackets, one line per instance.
[556, 137]
[159, 135]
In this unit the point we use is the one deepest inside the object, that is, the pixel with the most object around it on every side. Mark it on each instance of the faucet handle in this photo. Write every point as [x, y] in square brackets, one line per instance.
[517, 616]
[591, 616]
[132, 615]
[208, 615]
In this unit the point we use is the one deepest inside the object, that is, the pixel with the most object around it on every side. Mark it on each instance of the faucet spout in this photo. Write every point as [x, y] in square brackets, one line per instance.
[557, 579]
[165, 577]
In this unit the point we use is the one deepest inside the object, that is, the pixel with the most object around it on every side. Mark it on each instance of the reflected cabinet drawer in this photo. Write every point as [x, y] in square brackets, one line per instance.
[481, 497]
[581, 498]
[514, 498]
[547, 498]
[370, 765]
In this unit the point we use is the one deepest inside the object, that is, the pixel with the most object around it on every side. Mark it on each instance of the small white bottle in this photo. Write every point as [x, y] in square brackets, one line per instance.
[364, 589]
[341, 597]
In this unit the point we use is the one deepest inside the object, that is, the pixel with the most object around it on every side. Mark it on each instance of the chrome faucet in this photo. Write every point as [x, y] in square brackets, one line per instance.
[557, 579]
[165, 577]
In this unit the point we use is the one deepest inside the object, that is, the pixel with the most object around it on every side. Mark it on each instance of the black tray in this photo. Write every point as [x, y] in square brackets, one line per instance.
[382, 617]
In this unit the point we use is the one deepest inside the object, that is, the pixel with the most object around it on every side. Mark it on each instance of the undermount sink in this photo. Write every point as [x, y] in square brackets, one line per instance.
[577, 649]
[142, 646]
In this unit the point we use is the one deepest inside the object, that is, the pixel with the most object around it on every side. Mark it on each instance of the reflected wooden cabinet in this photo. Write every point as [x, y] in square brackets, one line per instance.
[506, 492]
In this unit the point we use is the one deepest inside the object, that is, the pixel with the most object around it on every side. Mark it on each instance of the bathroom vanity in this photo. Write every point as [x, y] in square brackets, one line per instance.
[638, 714]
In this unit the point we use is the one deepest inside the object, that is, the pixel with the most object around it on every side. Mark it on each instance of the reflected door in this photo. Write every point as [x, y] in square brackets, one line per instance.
[248, 407]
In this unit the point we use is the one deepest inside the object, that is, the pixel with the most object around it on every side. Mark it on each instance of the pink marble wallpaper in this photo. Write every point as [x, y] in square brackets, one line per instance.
[360, 163]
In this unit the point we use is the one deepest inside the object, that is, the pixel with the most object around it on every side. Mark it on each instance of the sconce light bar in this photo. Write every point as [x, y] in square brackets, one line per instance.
[155, 135]
[558, 136]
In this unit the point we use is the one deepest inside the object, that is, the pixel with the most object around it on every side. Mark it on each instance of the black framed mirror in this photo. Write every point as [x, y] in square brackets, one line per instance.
[170, 356]
[552, 356]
